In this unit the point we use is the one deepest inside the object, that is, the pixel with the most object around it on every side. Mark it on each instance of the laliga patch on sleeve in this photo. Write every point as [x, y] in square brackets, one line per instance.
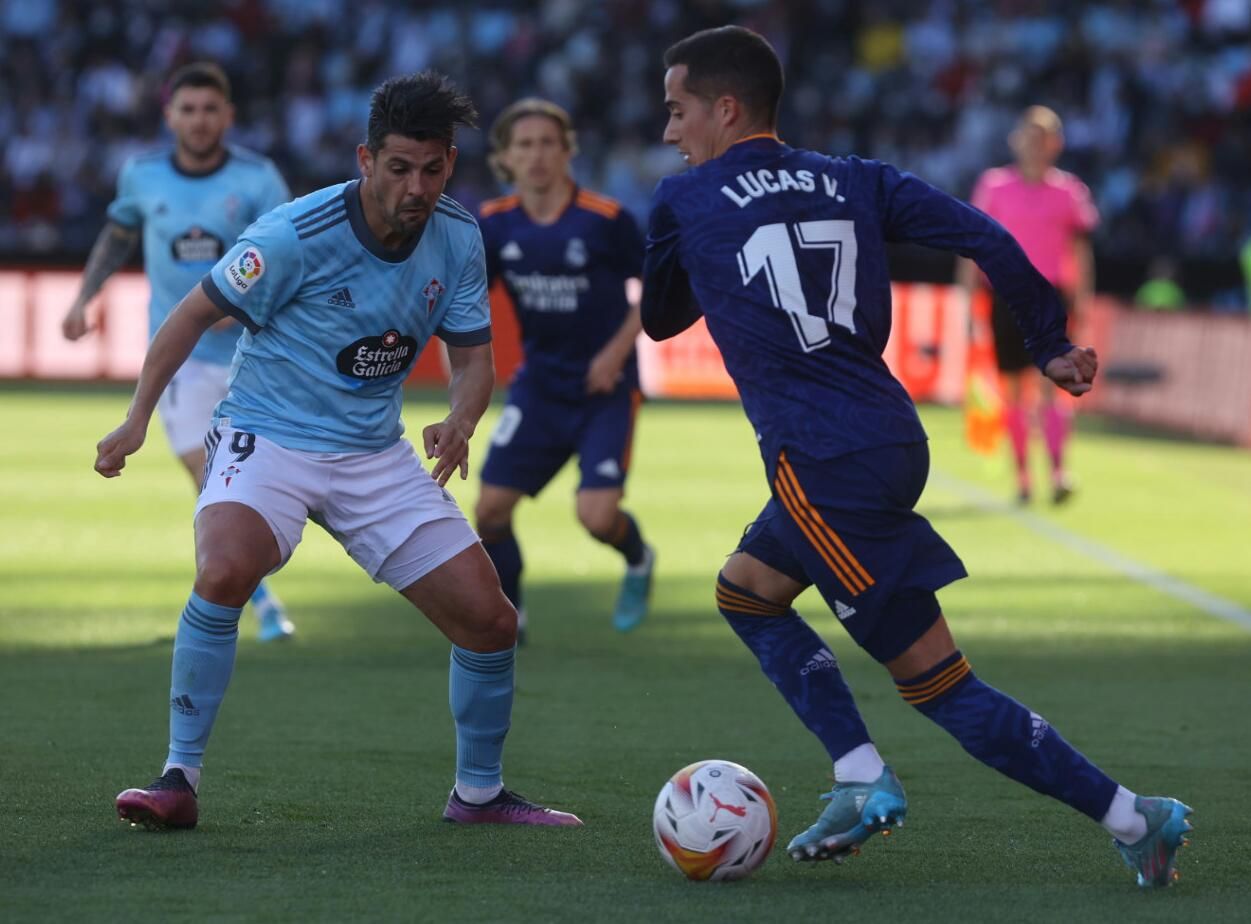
[246, 271]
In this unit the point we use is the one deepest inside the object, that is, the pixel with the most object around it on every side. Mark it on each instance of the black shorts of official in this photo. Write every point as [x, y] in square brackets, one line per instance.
[848, 526]
[1010, 353]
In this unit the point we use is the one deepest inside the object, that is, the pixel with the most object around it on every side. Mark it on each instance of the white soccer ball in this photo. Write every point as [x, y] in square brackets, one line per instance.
[715, 820]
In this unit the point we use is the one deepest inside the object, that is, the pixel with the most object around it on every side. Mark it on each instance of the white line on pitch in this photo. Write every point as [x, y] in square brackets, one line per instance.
[1143, 574]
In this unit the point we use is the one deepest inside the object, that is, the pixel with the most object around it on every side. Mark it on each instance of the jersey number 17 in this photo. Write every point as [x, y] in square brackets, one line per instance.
[770, 249]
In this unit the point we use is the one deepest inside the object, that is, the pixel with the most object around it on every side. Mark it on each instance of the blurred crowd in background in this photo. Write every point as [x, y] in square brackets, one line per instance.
[1156, 98]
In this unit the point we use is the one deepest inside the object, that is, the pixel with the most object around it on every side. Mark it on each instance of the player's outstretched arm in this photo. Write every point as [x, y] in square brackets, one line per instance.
[110, 252]
[469, 393]
[914, 211]
[168, 351]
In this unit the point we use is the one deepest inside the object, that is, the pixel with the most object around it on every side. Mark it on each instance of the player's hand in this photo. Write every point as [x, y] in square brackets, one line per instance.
[1074, 371]
[74, 325]
[603, 375]
[448, 442]
[111, 452]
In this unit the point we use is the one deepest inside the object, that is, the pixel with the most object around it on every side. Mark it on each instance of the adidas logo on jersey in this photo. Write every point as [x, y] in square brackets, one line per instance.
[608, 469]
[342, 299]
[823, 660]
[1038, 729]
[510, 251]
[843, 611]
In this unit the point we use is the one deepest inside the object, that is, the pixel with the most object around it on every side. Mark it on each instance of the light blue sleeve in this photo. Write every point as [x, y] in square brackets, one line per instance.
[468, 318]
[273, 190]
[125, 208]
[260, 275]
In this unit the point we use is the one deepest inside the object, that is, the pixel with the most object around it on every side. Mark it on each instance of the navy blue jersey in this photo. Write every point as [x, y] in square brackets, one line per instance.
[783, 251]
[567, 284]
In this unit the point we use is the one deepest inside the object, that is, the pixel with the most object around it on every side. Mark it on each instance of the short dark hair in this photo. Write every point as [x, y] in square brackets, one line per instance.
[731, 61]
[199, 74]
[424, 107]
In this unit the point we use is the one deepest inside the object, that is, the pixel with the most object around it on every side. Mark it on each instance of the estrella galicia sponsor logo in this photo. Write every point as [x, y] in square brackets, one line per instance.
[184, 705]
[377, 357]
[246, 271]
[197, 246]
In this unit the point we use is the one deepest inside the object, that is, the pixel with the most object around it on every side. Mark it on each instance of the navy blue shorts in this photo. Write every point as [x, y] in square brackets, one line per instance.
[847, 526]
[537, 433]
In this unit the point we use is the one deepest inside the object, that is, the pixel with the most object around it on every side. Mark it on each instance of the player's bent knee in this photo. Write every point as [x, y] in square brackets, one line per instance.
[754, 576]
[495, 629]
[602, 523]
[912, 636]
[225, 580]
[492, 531]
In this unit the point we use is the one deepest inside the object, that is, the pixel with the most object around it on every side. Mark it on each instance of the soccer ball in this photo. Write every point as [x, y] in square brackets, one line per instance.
[715, 820]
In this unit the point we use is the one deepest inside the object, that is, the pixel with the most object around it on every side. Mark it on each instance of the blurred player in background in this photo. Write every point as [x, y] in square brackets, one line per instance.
[339, 292]
[1051, 215]
[783, 252]
[564, 254]
[189, 204]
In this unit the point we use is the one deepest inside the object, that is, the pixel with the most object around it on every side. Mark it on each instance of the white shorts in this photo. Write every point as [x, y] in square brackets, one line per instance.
[382, 507]
[186, 406]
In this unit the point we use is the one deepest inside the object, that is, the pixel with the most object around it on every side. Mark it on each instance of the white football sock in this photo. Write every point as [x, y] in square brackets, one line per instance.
[861, 764]
[1123, 821]
[191, 773]
[476, 795]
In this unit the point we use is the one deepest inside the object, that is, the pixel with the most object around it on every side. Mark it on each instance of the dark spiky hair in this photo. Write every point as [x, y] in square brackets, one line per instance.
[424, 107]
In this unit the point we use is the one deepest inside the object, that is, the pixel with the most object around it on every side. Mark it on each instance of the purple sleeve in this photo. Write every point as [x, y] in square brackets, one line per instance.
[914, 211]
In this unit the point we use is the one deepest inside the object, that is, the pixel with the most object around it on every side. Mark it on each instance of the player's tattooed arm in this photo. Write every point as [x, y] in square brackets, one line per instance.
[469, 393]
[112, 249]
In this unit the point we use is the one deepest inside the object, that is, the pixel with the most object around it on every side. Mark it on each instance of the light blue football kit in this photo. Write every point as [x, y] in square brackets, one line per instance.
[189, 221]
[334, 321]
[310, 429]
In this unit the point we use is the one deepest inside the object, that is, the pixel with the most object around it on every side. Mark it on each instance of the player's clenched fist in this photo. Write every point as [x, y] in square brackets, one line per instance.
[1075, 370]
[111, 452]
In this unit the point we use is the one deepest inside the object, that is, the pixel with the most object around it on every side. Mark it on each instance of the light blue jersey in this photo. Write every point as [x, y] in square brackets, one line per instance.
[189, 221]
[335, 321]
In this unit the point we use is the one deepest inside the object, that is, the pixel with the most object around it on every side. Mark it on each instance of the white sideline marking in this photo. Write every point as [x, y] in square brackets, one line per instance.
[1143, 574]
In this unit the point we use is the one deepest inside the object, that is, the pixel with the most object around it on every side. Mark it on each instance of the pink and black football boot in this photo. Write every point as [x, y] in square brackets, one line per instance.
[168, 802]
[507, 808]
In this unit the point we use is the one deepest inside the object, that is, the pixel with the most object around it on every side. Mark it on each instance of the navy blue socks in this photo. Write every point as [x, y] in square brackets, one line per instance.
[799, 664]
[1008, 737]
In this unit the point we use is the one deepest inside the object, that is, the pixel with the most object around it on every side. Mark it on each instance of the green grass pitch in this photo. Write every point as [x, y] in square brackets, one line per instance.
[333, 754]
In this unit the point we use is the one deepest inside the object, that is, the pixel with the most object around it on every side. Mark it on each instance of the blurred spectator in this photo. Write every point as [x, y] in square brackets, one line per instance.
[1156, 94]
[1161, 292]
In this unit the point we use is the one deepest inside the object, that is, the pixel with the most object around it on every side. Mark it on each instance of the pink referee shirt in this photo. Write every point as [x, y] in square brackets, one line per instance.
[1044, 217]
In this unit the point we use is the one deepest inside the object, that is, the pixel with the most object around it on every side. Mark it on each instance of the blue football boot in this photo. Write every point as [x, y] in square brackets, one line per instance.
[856, 812]
[1154, 858]
[636, 591]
